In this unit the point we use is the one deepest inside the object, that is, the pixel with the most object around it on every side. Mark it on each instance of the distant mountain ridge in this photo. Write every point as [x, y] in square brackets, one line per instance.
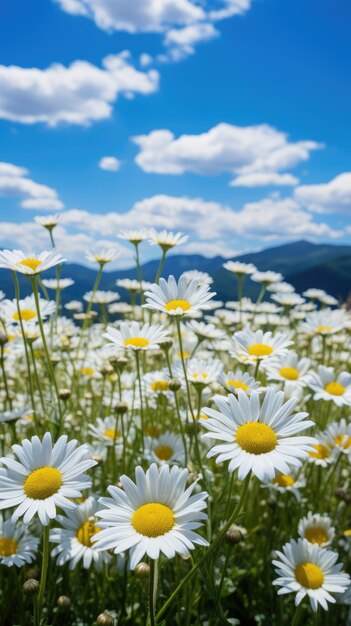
[302, 263]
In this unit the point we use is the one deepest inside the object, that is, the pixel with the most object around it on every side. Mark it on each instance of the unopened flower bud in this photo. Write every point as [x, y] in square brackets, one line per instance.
[55, 359]
[119, 363]
[121, 408]
[105, 619]
[3, 339]
[174, 384]
[64, 602]
[191, 479]
[64, 394]
[33, 572]
[272, 502]
[97, 458]
[340, 493]
[142, 570]
[31, 587]
[166, 344]
[106, 370]
[233, 535]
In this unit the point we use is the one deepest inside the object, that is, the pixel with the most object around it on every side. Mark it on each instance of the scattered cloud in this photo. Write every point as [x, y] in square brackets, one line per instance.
[110, 164]
[15, 183]
[80, 94]
[254, 155]
[332, 197]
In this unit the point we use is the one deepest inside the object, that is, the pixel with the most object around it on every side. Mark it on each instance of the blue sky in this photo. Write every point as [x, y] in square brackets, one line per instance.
[260, 100]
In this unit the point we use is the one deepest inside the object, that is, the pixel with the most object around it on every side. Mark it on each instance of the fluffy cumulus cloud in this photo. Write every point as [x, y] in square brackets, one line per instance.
[254, 155]
[15, 183]
[213, 228]
[332, 197]
[110, 164]
[78, 94]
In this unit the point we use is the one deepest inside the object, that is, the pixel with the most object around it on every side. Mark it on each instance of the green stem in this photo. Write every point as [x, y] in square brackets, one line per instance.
[153, 590]
[212, 548]
[141, 398]
[297, 615]
[160, 267]
[44, 571]
[2, 361]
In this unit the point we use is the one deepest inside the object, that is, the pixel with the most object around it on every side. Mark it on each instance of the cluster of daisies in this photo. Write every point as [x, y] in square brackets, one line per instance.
[192, 415]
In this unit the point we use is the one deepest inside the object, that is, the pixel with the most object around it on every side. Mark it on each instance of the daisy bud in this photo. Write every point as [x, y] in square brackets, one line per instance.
[142, 570]
[107, 370]
[233, 535]
[105, 619]
[347, 498]
[97, 458]
[64, 602]
[157, 354]
[64, 394]
[88, 395]
[272, 502]
[192, 478]
[121, 408]
[55, 359]
[174, 384]
[3, 339]
[32, 573]
[340, 493]
[31, 587]
[166, 344]
[119, 363]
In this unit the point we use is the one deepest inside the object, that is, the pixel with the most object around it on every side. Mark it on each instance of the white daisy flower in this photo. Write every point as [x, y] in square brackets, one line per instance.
[48, 221]
[199, 371]
[287, 483]
[317, 529]
[134, 236]
[323, 323]
[132, 284]
[30, 263]
[309, 570]
[232, 381]
[103, 256]
[251, 346]
[313, 293]
[9, 310]
[321, 453]
[106, 435]
[338, 435]
[205, 331]
[258, 438]
[239, 268]
[17, 545]
[281, 288]
[178, 298]
[157, 382]
[16, 414]
[152, 516]
[266, 278]
[327, 385]
[44, 477]
[167, 448]
[74, 305]
[61, 283]
[288, 368]
[74, 537]
[134, 336]
[202, 277]
[101, 297]
[166, 239]
[288, 299]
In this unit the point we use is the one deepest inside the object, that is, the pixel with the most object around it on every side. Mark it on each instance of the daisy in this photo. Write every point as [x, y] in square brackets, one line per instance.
[317, 529]
[254, 346]
[45, 476]
[232, 381]
[199, 371]
[74, 537]
[309, 570]
[157, 383]
[17, 545]
[30, 264]
[205, 331]
[321, 453]
[288, 368]
[166, 239]
[338, 436]
[9, 310]
[239, 268]
[178, 298]
[74, 305]
[288, 299]
[281, 288]
[167, 448]
[267, 278]
[134, 236]
[132, 284]
[154, 515]
[329, 386]
[134, 336]
[101, 297]
[258, 438]
[323, 323]
[103, 256]
[287, 483]
[61, 283]
[202, 277]
[48, 221]
[106, 434]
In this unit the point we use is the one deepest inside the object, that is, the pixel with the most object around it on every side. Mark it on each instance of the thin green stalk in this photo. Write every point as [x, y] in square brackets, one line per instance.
[297, 615]
[153, 590]
[2, 361]
[160, 267]
[212, 548]
[44, 571]
[180, 423]
[141, 397]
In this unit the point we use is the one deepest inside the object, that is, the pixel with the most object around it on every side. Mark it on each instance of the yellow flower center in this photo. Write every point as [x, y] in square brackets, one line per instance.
[316, 535]
[86, 532]
[160, 385]
[88, 371]
[33, 264]
[283, 480]
[335, 389]
[324, 329]
[26, 315]
[290, 373]
[43, 483]
[259, 350]
[347, 533]
[137, 342]
[343, 441]
[238, 384]
[172, 305]
[186, 354]
[163, 452]
[153, 519]
[203, 375]
[309, 575]
[321, 452]
[112, 433]
[8, 546]
[256, 438]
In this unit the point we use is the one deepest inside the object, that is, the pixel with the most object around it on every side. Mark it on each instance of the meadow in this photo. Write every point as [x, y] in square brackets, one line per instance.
[172, 460]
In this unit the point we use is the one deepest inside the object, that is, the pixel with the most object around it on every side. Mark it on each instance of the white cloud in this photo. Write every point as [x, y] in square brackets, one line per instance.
[255, 155]
[15, 183]
[332, 197]
[110, 164]
[78, 94]
[182, 41]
